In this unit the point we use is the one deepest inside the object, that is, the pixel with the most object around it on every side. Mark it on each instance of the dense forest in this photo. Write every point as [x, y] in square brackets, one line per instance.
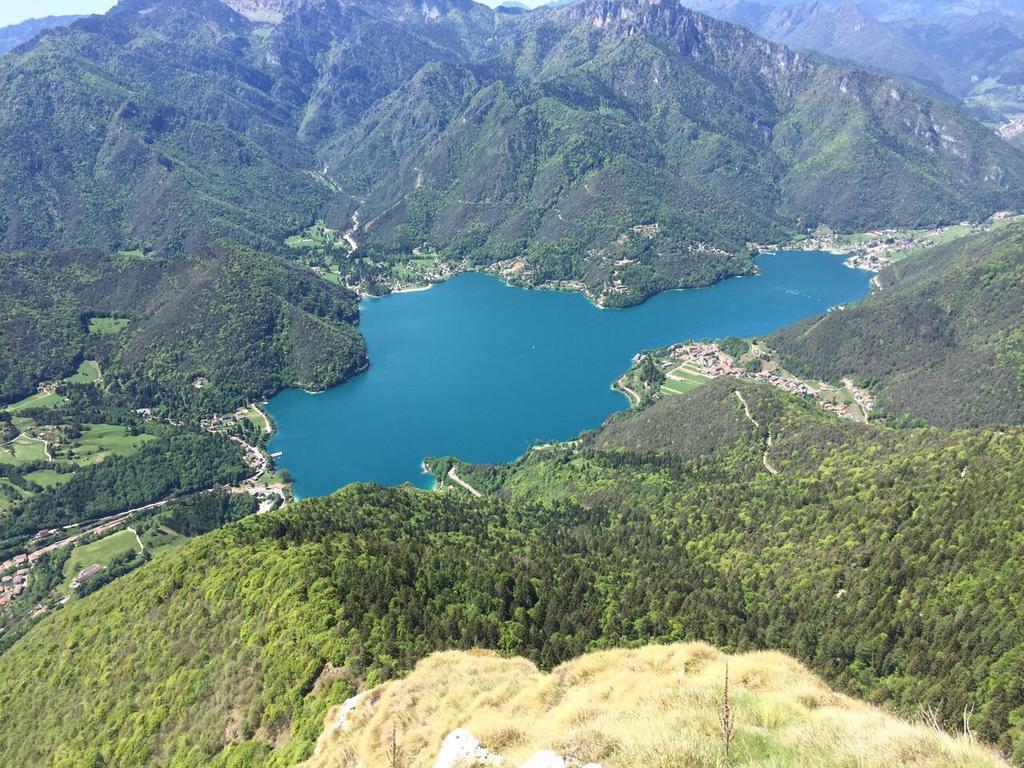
[884, 558]
[942, 341]
[242, 323]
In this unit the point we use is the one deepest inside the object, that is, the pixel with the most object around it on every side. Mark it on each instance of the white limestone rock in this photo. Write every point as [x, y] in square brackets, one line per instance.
[460, 748]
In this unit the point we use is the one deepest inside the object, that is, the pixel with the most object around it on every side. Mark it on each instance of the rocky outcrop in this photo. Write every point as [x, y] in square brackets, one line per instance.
[263, 11]
[460, 748]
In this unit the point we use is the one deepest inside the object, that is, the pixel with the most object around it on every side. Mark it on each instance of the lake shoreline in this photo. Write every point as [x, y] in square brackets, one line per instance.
[516, 366]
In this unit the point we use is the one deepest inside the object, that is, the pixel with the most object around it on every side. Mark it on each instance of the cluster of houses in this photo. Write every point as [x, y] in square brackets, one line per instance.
[217, 422]
[795, 386]
[874, 259]
[12, 585]
[711, 361]
[862, 397]
[85, 574]
[45, 534]
[706, 359]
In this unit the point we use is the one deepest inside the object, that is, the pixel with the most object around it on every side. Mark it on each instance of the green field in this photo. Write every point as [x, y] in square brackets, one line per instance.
[88, 373]
[679, 387]
[102, 552]
[255, 417]
[25, 449]
[99, 441]
[48, 478]
[317, 236]
[37, 400]
[162, 539]
[107, 326]
[690, 375]
[414, 269]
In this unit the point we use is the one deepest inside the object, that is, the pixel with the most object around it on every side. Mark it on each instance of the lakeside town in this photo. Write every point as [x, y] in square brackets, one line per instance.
[682, 367]
[875, 250]
[269, 488]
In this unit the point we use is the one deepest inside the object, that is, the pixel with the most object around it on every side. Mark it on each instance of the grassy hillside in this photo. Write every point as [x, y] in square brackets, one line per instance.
[942, 341]
[884, 559]
[642, 708]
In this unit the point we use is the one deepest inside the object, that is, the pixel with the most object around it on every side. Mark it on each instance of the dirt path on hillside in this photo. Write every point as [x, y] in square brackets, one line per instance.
[46, 445]
[455, 478]
[142, 547]
[756, 423]
[628, 392]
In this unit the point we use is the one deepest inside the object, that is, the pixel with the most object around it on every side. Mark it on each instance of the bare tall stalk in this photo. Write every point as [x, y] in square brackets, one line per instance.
[393, 751]
[726, 718]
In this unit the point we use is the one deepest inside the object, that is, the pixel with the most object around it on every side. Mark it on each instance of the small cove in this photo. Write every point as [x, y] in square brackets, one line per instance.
[482, 370]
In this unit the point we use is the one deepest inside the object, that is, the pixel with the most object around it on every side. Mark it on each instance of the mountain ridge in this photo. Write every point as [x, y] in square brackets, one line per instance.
[15, 35]
[259, 128]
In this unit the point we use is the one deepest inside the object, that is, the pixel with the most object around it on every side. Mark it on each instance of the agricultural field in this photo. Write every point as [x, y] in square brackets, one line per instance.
[38, 400]
[48, 478]
[162, 539]
[317, 236]
[107, 326]
[24, 450]
[99, 441]
[88, 373]
[101, 552]
[682, 379]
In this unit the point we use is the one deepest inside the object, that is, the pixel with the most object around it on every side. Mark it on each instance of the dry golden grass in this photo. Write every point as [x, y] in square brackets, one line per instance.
[652, 707]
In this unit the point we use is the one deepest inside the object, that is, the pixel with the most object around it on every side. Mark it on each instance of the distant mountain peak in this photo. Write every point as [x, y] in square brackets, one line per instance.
[274, 11]
[631, 15]
[267, 11]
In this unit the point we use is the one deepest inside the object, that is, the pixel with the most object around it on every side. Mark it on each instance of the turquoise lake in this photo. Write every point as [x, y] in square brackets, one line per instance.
[480, 370]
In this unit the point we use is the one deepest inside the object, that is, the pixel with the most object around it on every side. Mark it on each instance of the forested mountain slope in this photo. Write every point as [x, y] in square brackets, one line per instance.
[479, 134]
[943, 341]
[245, 323]
[885, 559]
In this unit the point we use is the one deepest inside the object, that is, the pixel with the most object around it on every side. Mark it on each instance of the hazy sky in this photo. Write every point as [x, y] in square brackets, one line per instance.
[13, 11]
